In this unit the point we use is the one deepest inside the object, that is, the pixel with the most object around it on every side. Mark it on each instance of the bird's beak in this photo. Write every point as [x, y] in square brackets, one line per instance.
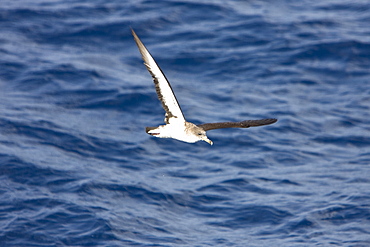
[208, 140]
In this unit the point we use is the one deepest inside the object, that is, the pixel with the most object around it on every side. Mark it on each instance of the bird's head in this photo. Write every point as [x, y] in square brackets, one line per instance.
[195, 133]
[201, 134]
[203, 137]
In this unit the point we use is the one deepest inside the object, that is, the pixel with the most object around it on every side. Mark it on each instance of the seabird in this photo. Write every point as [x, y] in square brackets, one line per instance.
[176, 126]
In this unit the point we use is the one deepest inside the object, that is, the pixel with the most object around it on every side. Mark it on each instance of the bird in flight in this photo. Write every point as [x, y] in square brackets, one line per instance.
[176, 126]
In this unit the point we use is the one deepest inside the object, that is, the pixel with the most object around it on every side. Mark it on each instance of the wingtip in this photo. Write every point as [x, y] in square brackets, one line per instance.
[133, 32]
[268, 121]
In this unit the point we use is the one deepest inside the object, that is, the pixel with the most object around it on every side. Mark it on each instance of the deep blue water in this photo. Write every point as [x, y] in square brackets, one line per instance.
[78, 169]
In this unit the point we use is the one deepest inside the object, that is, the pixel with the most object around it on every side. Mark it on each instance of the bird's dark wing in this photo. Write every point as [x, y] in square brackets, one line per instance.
[242, 124]
[162, 86]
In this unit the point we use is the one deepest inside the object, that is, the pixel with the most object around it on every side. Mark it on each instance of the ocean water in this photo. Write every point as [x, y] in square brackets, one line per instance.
[78, 169]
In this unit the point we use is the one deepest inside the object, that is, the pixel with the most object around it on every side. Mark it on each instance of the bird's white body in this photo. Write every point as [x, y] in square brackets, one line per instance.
[180, 130]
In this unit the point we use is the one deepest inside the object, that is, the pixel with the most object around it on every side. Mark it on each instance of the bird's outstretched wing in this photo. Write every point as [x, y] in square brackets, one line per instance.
[242, 124]
[162, 86]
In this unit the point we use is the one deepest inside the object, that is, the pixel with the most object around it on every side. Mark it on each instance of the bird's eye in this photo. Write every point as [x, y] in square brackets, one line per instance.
[199, 134]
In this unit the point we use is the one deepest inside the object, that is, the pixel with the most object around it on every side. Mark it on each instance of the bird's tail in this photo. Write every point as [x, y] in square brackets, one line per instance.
[148, 130]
